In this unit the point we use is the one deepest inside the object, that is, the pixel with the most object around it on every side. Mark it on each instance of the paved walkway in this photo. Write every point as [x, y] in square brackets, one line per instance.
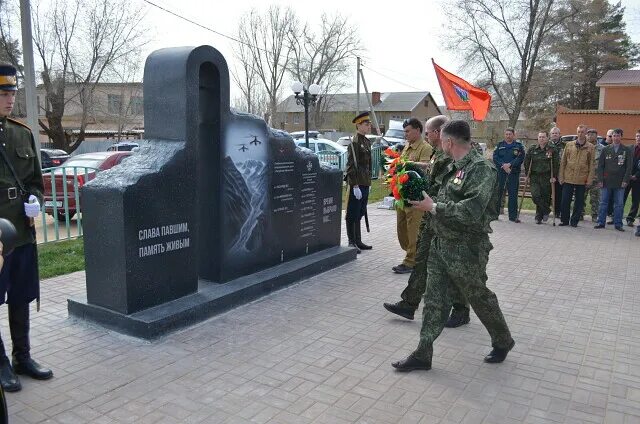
[320, 351]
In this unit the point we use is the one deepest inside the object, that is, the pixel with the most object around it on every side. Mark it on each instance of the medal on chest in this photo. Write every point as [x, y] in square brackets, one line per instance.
[621, 159]
[457, 180]
[549, 154]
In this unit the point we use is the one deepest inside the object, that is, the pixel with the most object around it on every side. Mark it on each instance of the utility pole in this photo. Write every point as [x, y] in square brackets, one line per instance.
[373, 113]
[358, 88]
[29, 72]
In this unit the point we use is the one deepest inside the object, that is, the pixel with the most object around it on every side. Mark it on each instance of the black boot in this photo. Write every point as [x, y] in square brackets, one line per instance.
[401, 308]
[8, 379]
[351, 236]
[22, 362]
[498, 355]
[358, 237]
[459, 316]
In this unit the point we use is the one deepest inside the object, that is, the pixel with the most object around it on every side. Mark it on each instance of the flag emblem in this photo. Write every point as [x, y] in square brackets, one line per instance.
[462, 93]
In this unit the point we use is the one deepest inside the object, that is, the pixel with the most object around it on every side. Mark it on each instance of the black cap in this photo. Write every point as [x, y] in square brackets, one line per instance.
[364, 116]
[8, 77]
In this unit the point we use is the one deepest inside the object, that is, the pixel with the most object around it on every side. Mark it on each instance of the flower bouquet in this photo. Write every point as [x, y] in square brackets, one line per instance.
[407, 180]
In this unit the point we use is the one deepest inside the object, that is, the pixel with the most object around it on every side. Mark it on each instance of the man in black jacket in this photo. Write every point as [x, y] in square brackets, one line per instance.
[634, 183]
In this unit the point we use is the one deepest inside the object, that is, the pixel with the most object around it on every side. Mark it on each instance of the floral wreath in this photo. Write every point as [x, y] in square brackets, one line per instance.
[407, 180]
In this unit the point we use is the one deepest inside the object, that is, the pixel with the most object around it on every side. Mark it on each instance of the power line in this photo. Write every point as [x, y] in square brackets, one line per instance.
[392, 79]
[201, 25]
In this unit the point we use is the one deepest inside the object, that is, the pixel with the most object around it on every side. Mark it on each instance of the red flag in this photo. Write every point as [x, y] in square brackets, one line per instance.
[460, 95]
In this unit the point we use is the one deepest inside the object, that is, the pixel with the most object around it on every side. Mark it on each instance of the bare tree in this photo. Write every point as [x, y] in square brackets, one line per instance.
[254, 99]
[127, 109]
[265, 38]
[9, 44]
[324, 57]
[77, 42]
[505, 36]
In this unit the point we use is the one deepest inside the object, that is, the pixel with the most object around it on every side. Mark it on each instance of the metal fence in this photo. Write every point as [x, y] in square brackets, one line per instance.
[62, 201]
[339, 160]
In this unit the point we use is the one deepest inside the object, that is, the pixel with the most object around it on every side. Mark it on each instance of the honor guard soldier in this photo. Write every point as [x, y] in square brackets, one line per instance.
[358, 177]
[21, 189]
[508, 157]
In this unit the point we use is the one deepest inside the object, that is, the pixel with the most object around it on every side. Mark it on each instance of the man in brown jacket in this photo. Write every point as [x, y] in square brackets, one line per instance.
[408, 219]
[576, 174]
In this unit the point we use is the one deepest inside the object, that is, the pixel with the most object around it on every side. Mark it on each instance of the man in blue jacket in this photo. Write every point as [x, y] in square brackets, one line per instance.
[508, 157]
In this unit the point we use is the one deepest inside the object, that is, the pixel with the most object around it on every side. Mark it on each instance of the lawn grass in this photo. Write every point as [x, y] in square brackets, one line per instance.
[61, 257]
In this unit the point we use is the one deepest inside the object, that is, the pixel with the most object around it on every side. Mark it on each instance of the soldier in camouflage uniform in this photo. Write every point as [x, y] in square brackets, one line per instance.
[539, 161]
[466, 203]
[594, 190]
[20, 196]
[416, 286]
[556, 141]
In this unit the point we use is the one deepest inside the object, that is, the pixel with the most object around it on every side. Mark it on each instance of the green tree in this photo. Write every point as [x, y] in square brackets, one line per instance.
[581, 49]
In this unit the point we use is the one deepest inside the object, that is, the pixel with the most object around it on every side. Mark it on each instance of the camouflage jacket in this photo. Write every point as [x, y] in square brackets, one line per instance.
[20, 147]
[467, 199]
[540, 160]
[359, 166]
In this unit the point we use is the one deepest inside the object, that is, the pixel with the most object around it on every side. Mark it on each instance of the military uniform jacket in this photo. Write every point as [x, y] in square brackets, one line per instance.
[614, 168]
[438, 165]
[359, 174]
[512, 153]
[541, 160]
[559, 146]
[467, 199]
[577, 164]
[20, 147]
[419, 151]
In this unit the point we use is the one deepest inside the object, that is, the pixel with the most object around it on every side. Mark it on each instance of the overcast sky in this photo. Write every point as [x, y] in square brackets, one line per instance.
[399, 37]
[399, 41]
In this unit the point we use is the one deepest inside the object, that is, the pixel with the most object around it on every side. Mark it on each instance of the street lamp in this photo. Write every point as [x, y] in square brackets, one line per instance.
[308, 97]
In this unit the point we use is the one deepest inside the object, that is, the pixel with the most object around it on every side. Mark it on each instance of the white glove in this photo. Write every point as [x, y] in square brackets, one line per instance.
[357, 193]
[32, 209]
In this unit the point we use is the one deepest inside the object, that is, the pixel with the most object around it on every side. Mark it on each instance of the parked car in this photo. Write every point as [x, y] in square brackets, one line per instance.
[376, 141]
[123, 146]
[78, 169]
[300, 134]
[327, 150]
[52, 157]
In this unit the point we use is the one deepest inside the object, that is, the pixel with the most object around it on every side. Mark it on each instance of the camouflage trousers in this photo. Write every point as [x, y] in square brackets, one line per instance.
[541, 194]
[463, 264]
[414, 291]
[594, 199]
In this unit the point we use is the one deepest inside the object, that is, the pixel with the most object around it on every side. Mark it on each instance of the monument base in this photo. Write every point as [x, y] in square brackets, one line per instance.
[211, 298]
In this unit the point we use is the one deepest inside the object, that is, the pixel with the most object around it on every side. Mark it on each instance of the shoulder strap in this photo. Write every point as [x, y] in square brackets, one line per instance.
[3, 152]
[353, 150]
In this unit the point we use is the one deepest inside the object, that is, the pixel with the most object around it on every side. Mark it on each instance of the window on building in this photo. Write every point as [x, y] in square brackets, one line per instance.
[296, 118]
[135, 105]
[114, 102]
[473, 125]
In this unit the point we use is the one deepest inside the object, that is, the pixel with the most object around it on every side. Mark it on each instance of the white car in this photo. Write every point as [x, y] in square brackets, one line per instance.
[297, 135]
[318, 145]
[376, 140]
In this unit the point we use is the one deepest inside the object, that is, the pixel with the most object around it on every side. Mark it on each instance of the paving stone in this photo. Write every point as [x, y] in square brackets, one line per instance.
[320, 351]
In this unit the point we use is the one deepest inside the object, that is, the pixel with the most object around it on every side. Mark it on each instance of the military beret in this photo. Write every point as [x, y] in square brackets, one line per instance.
[8, 79]
[364, 116]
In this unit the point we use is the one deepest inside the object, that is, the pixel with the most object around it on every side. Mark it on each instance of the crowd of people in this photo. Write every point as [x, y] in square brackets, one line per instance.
[561, 173]
[465, 194]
